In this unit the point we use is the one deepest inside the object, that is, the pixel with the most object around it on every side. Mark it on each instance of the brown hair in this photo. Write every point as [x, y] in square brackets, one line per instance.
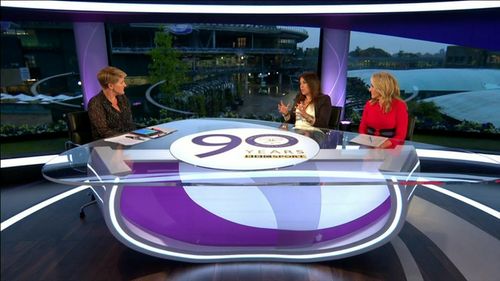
[313, 82]
[110, 75]
[388, 87]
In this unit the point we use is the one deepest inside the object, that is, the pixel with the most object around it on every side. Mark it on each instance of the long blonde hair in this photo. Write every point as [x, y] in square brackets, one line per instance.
[388, 88]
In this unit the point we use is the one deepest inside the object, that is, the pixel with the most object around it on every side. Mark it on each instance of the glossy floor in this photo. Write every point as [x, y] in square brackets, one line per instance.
[443, 239]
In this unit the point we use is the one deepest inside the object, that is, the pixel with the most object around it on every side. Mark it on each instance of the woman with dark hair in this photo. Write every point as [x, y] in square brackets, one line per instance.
[311, 109]
[385, 114]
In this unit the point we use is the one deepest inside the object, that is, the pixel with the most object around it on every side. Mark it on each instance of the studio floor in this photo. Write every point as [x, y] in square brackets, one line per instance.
[443, 239]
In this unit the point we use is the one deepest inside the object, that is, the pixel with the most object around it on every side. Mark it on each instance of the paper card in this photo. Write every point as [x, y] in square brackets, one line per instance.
[161, 131]
[368, 140]
[136, 136]
[127, 139]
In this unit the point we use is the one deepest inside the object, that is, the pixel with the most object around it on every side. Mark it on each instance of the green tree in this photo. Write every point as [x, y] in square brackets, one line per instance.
[370, 52]
[402, 54]
[166, 64]
[469, 126]
[356, 95]
[356, 52]
[425, 111]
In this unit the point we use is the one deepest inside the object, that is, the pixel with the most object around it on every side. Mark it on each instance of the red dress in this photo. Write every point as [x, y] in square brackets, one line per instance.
[396, 119]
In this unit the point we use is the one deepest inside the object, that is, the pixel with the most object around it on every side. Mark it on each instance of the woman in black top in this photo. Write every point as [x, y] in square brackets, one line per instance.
[109, 111]
[311, 109]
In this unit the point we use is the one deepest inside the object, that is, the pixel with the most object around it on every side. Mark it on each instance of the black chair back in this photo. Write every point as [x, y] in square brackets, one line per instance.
[411, 127]
[335, 117]
[78, 128]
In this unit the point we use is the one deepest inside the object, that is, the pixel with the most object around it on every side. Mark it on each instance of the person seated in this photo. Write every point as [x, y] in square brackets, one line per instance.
[110, 111]
[385, 114]
[311, 109]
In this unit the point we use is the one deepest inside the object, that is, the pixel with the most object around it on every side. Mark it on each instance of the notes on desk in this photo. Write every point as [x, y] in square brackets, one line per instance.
[135, 138]
[163, 131]
[368, 140]
[127, 139]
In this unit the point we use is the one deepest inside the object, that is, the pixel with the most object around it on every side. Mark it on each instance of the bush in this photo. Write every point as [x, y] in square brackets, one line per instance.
[7, 130]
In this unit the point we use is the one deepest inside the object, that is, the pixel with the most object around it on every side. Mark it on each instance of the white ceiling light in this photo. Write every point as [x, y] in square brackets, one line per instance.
[118, 7]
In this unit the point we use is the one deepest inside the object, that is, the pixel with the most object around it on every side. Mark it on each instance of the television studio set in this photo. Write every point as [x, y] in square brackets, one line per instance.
[250, 140]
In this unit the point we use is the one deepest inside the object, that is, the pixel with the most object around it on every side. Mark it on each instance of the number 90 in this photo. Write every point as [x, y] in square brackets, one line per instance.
[234, 141]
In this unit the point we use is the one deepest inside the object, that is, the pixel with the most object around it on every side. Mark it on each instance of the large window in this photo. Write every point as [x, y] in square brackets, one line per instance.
[228, 70]
[235, 70]
[40, 83]
[453, 91]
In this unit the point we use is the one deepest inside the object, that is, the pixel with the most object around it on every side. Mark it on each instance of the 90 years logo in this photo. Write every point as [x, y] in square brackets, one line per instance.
[244, 149]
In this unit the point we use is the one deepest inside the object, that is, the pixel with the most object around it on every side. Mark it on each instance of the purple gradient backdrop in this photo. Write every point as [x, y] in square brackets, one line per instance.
[334, 64]
[90, 39]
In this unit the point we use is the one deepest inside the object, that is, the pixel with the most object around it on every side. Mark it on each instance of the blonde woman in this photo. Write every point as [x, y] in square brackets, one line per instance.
[109, 111]
[385, 114]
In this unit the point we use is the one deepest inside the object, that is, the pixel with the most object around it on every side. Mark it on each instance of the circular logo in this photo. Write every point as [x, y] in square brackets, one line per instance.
[244, 149]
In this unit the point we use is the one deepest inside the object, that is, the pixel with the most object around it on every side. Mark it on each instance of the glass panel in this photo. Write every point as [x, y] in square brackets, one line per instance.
[217, 70]
[220, 70]
[453, 91]
[40, 83]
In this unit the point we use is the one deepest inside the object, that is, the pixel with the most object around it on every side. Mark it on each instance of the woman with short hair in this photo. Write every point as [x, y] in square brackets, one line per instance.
[110, 111]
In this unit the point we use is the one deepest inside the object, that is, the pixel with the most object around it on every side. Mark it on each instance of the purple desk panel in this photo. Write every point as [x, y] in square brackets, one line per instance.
[232, 189]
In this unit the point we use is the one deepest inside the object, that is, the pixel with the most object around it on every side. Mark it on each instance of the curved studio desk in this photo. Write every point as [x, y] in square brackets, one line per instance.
[234, 189]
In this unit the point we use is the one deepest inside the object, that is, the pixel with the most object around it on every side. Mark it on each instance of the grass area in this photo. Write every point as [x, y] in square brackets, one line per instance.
[32, 147]
[472, 144]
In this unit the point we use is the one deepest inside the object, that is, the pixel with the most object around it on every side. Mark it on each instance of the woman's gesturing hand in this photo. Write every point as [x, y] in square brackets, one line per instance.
[302, 108]
[283, 108]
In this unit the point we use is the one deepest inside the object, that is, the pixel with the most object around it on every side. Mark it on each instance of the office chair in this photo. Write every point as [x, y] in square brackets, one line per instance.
[78, 129]
[411, 127]
[335, 117]
[79, 133]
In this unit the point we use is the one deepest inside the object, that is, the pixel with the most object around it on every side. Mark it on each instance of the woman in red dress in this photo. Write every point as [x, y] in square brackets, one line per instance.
[385, 114]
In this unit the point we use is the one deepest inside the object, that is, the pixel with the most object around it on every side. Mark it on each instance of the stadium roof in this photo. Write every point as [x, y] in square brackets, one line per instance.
[439, 79]
[477, 91]
[478, 106]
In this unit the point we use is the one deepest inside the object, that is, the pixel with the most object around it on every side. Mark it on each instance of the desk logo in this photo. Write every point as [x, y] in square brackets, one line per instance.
[244, 149]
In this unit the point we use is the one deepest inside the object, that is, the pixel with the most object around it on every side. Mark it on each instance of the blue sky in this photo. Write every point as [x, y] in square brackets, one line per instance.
[390, 44]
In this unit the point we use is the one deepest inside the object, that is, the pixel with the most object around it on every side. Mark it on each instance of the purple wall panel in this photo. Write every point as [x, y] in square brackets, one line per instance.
[90, 39]
[334, 64]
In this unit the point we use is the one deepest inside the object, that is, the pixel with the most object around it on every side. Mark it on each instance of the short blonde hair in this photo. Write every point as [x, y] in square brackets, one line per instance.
[110, 75]
[388, 87]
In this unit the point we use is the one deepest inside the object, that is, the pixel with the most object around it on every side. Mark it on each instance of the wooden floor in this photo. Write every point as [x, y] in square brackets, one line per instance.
[54, 244]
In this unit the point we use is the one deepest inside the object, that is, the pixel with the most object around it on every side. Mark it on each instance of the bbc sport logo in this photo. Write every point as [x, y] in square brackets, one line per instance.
[244, 149]
[274, 156]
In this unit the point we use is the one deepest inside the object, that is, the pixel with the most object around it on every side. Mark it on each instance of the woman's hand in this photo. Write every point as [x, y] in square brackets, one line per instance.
[302, 109]
[283, 108]
[385, 144]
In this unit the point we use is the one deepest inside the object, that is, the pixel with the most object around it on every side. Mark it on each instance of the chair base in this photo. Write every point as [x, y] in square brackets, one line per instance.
[82, 209]
[92, 202]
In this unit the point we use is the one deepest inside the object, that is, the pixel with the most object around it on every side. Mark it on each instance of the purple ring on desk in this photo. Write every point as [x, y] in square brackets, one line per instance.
[201, 227]
[337, 203]
[171, 217]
